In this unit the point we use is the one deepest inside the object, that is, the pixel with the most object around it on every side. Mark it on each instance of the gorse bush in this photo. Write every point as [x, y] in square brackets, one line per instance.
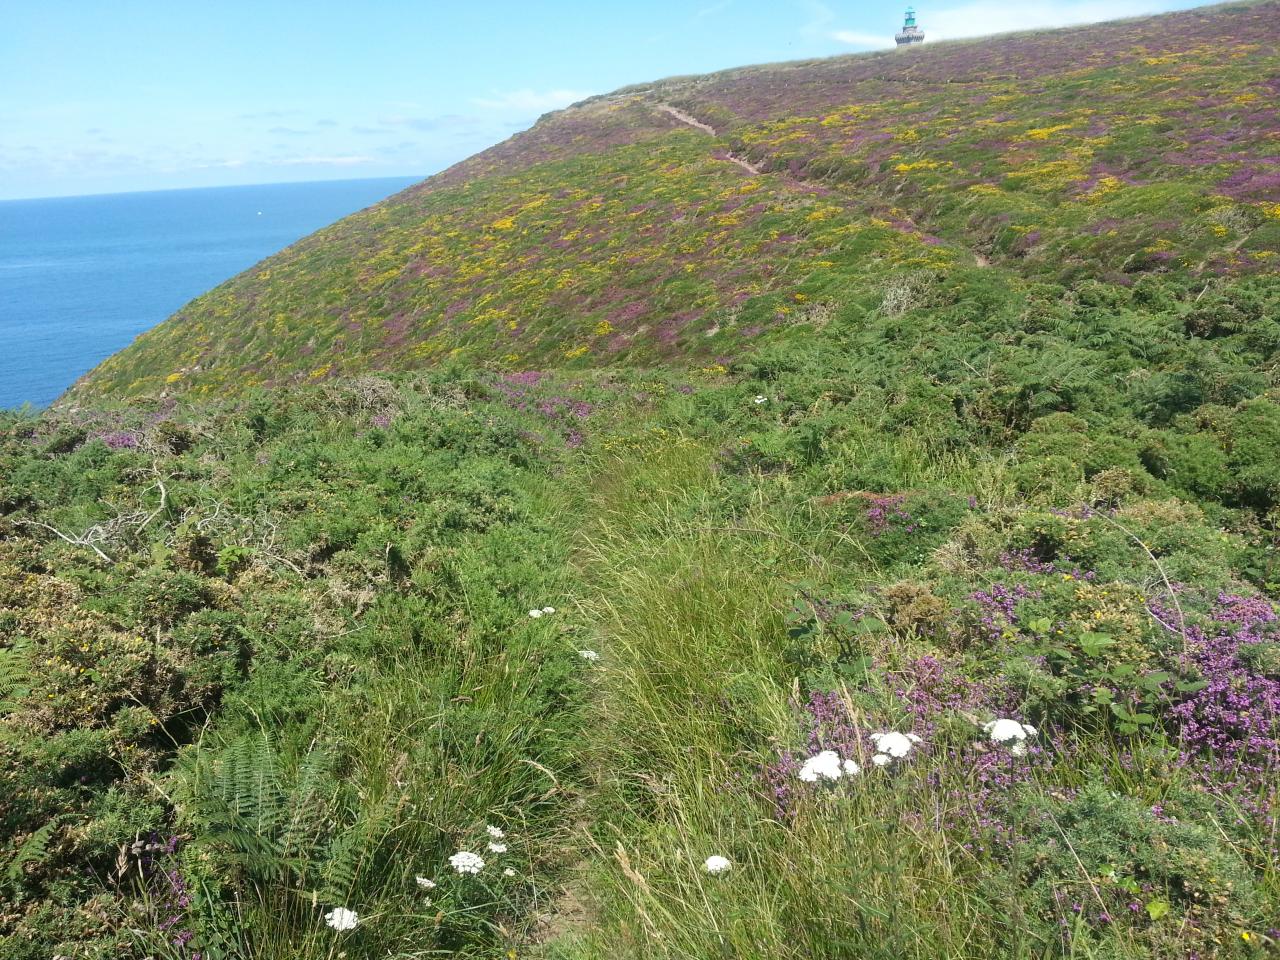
[1104, 867]
[205, 683]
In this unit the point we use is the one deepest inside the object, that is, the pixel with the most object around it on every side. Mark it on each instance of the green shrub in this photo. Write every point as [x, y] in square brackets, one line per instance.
[1101, 867]
[1253, 435]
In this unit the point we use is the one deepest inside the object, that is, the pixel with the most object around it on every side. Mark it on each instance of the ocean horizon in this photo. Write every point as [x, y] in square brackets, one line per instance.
[81, 277]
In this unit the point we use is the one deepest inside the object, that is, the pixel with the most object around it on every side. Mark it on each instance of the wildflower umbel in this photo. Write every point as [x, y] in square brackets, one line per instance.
[589, 655]
[716, 864]
[496, 833]
[425, 883]
[1010, 732]
[340, 918]
[827, 765]
[497, 848]
[464, 861]
[821, 766]
[892, 746]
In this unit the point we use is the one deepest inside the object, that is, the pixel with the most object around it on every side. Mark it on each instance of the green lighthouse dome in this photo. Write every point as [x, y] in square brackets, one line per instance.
[910, 33]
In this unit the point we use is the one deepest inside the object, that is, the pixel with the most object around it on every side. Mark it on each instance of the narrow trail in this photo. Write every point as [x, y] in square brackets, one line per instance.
[685, 118]
[744, 164]
[697, 124]
[688, 119]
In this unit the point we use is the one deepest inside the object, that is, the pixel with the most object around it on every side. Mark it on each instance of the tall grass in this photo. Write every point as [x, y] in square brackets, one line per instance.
[686, 583]
[694, 690]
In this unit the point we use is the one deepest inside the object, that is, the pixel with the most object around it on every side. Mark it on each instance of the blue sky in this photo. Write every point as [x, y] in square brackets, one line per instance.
[99, 96]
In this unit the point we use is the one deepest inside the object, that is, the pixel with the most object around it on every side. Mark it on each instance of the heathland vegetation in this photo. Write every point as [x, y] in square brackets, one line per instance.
[607, 550]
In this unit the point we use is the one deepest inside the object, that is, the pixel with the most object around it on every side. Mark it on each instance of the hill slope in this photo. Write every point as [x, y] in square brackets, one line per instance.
[622, 230]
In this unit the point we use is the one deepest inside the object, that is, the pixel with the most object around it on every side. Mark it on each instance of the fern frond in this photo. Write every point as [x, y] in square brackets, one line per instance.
[32, 849]
[272, 822]
[14, 676]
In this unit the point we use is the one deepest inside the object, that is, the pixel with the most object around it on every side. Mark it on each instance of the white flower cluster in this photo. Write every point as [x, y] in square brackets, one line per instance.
[760, 398]
[340, 918]
[589, 655]
[536, 612]
[1011, 732]
[495, 834]
[716, 864]
[827, 765]
[425, 883]
[891, 746]
[465, 861]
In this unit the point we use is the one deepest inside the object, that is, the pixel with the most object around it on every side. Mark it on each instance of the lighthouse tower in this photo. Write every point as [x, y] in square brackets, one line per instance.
[909, 33]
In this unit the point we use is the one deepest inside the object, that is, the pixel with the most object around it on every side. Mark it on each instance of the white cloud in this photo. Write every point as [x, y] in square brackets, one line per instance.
[713, 9]
[530, 101]
[352, 161]
[821, 18]
[445, 121]
[270, 115]
[858, 38]
[983, 17]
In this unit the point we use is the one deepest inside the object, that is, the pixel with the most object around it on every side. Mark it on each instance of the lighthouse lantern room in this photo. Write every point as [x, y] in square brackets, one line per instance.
[909, 33]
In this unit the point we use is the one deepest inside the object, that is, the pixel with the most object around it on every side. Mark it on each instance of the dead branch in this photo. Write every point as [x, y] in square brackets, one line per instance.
[85, 539]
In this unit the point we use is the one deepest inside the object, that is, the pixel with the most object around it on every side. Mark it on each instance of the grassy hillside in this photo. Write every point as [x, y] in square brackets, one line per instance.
[920, 604]
[615, 231]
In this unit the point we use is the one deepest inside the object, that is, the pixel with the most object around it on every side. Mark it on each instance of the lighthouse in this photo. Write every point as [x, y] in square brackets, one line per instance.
[909, 33]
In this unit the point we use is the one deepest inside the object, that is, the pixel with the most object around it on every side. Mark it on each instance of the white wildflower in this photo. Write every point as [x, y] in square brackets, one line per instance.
[340, 918]
[896, 745]
[425, 883]
[508, 872]
[716, 864]
[497, 848]
[535, 614]
[761, 398]
[821, 766]
[590, 655]
[851, 769]
[466, 862]
[1008, 731]
[496, 833]
[548, 609]
[882, 759]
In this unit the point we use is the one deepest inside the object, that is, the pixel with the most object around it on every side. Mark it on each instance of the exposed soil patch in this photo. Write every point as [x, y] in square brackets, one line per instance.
[697, 124]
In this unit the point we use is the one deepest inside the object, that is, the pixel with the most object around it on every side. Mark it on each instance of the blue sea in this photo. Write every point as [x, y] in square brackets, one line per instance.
[80, 277]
